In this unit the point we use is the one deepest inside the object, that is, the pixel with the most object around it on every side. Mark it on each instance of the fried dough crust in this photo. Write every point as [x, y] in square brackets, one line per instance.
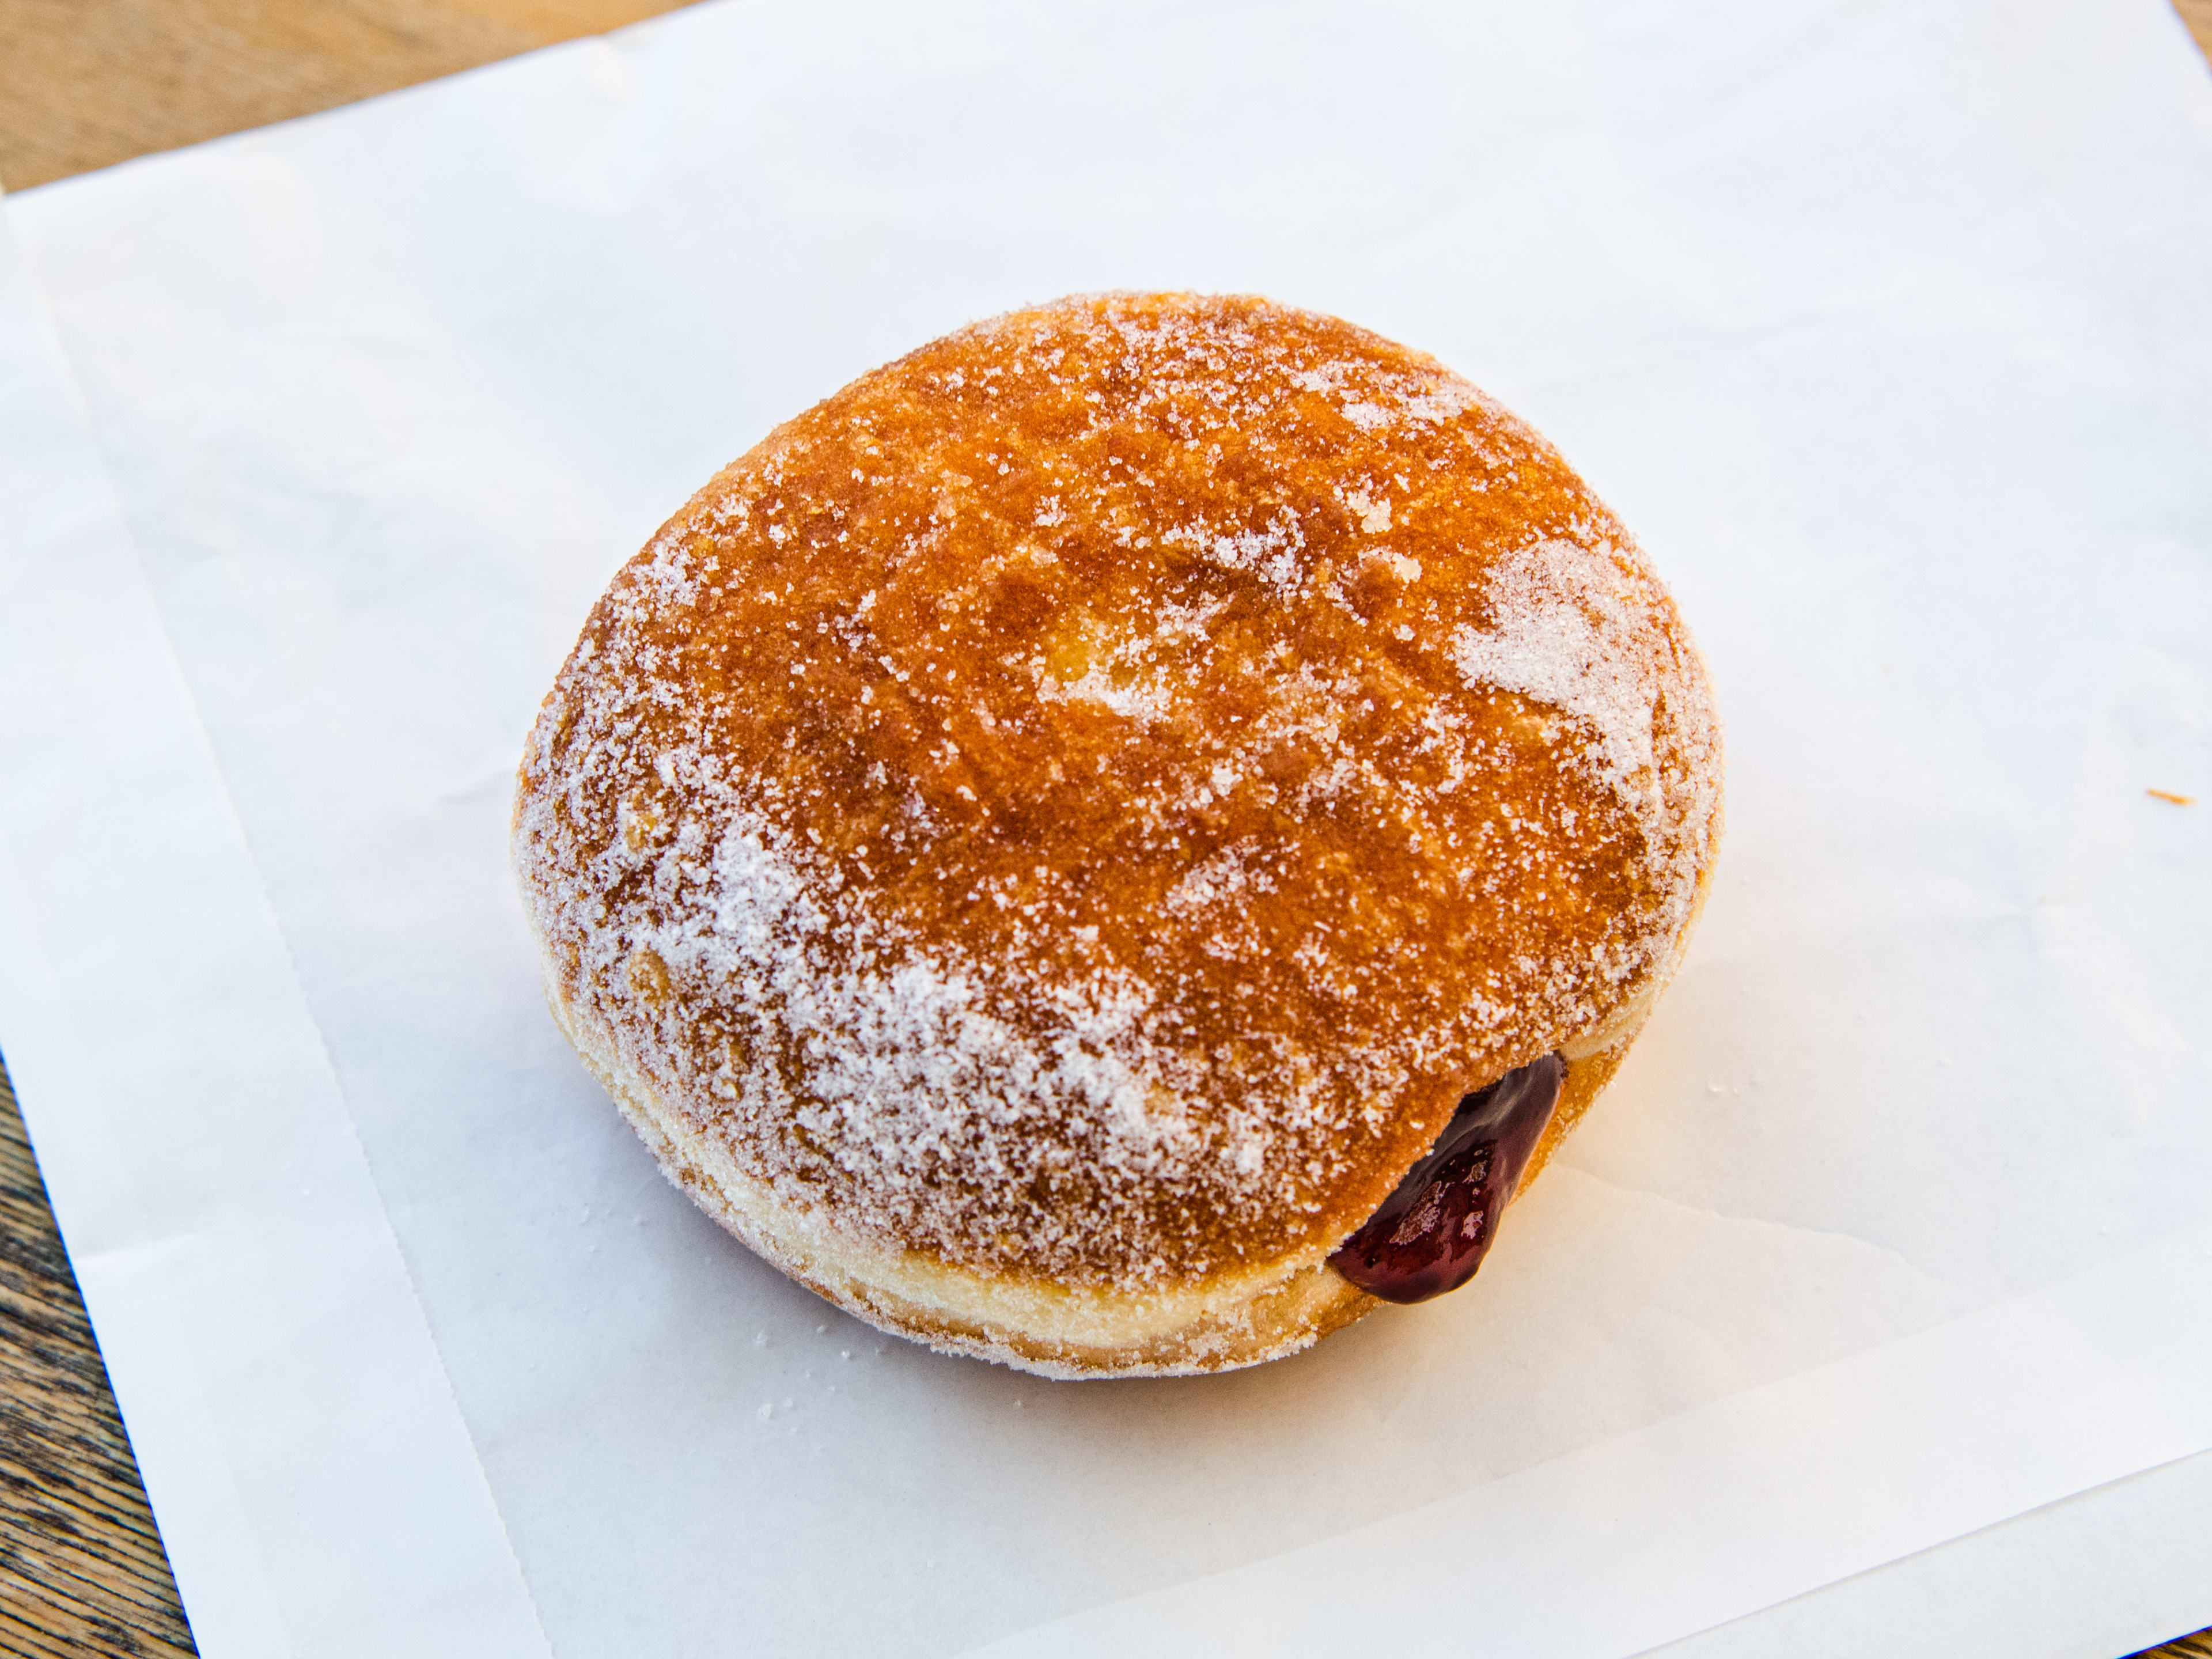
[1073, 812]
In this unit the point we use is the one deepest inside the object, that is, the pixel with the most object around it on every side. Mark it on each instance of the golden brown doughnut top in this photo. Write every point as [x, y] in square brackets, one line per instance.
[1089, 798]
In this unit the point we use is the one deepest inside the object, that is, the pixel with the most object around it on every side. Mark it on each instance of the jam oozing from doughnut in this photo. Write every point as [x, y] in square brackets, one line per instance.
[1432, 1232]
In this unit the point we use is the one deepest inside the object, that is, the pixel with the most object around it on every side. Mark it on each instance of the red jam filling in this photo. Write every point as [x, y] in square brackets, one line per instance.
[1432, 1232]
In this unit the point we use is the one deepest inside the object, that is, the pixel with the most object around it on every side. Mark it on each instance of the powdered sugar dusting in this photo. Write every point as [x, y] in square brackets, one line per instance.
[1580, 626]
[1564, 631]
[1089, 798]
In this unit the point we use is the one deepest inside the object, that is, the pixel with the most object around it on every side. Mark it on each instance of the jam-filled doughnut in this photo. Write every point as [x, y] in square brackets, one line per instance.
[1119, 839]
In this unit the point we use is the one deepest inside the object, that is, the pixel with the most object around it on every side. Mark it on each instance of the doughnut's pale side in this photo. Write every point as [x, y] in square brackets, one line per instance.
[1041, 844]
[1034, 1325]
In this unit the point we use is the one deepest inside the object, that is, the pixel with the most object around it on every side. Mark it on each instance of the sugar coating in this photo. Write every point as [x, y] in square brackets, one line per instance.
[1088, 799]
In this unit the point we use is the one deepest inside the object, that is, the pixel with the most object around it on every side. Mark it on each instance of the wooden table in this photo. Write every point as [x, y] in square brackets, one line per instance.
[83, 84]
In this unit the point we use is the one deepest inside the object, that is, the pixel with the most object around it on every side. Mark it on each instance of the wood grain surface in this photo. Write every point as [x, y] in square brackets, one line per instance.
[84, 84]
[81, 1568]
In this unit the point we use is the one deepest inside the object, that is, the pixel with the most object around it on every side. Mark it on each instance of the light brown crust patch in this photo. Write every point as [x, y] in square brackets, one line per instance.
[1085, 801]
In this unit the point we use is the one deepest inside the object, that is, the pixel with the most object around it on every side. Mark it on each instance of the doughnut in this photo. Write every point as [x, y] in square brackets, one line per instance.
[1120, 840]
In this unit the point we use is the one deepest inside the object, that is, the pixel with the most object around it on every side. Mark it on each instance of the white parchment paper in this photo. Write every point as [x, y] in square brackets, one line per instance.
[1882, 324]
[293, 1426]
